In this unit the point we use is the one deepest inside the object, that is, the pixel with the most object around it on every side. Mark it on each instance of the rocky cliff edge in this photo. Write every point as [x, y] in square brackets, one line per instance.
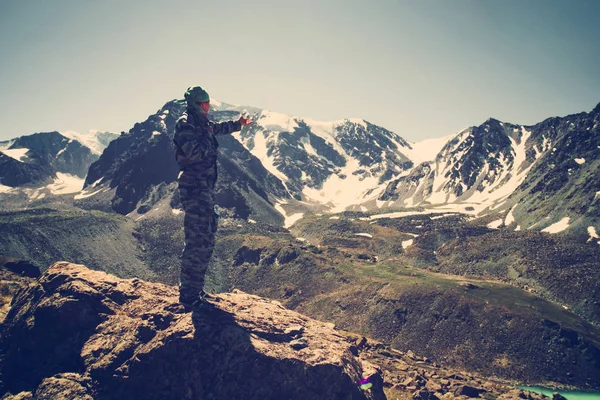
[78, 333]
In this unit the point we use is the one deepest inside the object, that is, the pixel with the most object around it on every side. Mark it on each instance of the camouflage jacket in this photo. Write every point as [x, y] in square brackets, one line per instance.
[195, 143]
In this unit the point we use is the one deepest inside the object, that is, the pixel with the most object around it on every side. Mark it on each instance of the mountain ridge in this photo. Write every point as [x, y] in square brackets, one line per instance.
[351, 164]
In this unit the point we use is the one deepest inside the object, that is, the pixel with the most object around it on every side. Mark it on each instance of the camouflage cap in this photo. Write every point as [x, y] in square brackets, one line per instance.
[196, 95]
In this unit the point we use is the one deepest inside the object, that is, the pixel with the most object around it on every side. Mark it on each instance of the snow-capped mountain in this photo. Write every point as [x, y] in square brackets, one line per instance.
[478, 166]
[339, 163]
[138, 170]
[46, 157]
[544, 173]
[353, 164]
[335, 164]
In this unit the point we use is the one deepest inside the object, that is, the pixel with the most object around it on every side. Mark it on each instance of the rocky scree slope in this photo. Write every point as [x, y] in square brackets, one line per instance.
[99, 239]
[537, 262]
[558, 268]
[93, 336]
[409, 376]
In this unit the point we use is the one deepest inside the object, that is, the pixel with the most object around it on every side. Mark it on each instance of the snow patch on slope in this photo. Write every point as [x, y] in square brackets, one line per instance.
[289, 220]
[260, 151]
[344, 192]
[6, 145]
[277, 122]
[65, 183]
[593, 234]
[89, 140]
[64, 148]
[326, 131]
[84, 194]
[6, 189]
[510, 218]
[495, 224]
[16, 154]
[426, 150]
[559, 226]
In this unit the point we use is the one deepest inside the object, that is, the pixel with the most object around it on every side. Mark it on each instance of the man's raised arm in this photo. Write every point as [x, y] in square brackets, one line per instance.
[227, 127]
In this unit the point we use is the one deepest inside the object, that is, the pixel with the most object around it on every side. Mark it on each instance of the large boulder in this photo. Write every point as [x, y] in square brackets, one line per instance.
[96, 336]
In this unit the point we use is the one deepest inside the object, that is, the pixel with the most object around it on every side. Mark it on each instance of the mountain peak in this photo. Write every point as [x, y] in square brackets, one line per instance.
[95, 140]
[492, 120]
[357, 121]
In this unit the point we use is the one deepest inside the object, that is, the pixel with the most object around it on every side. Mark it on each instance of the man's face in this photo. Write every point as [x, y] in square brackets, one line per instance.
[205, 106]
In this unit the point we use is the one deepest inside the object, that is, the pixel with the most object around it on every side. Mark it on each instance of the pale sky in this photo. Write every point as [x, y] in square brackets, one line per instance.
[422, 68]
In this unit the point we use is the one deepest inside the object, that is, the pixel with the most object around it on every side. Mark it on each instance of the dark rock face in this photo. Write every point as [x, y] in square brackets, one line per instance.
[407, 186]
[564, 181]
[138, 160]
[246, 255]
[95, 336]
[376, 148]
[487, 143]
[243, 182]
[16, 173]
[291, 158]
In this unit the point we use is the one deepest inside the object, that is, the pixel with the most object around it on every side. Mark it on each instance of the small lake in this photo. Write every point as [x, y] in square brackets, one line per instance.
[569, 395]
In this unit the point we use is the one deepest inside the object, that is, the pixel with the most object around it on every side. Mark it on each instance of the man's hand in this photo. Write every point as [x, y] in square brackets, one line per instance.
[245, 121]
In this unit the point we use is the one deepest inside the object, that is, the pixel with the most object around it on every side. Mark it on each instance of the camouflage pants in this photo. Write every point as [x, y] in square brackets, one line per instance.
[200, 225]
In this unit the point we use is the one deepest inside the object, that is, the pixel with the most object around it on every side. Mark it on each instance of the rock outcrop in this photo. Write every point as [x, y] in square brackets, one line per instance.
[78, 333]
[14, 275]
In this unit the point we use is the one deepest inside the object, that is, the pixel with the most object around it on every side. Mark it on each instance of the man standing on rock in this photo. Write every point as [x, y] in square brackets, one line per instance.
[196, 154]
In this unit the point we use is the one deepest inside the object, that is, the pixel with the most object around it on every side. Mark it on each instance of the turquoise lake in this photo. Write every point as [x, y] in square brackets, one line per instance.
[567, 394]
